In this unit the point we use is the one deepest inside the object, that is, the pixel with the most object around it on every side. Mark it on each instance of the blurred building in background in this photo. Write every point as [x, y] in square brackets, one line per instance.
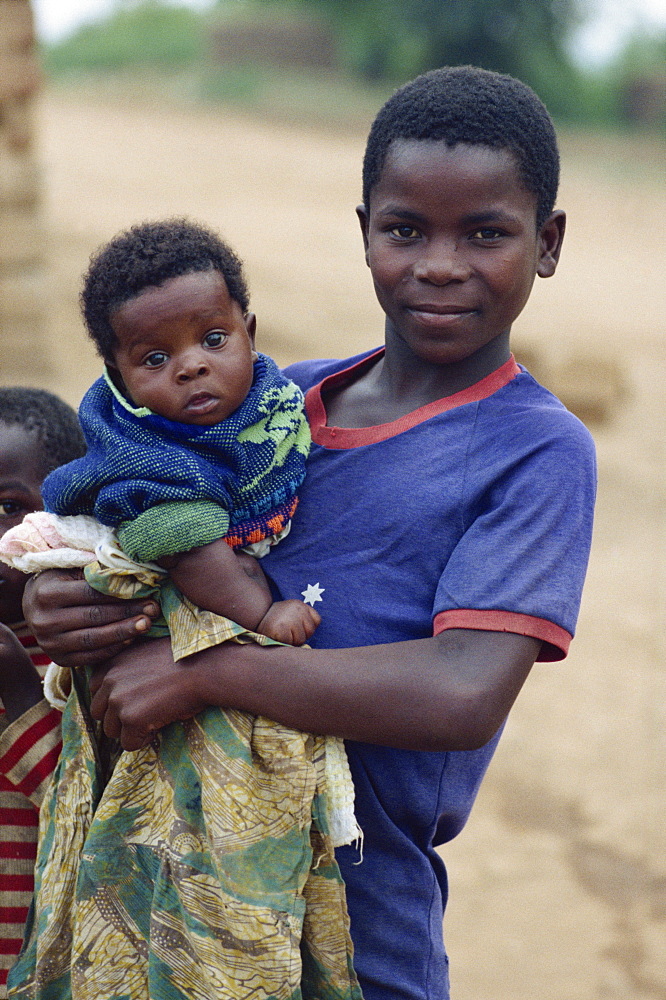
[24, 350]
[291, 39]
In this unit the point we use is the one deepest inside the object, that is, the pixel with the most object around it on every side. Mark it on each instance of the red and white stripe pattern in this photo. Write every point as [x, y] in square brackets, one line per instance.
[29, 750]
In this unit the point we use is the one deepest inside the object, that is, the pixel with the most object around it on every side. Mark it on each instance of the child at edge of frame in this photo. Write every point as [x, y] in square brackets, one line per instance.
[458, 495]
[38, 431]
[197, 445]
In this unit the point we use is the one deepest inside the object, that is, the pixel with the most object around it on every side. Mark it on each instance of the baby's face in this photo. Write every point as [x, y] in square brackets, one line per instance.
[186, 350]
[21, 475]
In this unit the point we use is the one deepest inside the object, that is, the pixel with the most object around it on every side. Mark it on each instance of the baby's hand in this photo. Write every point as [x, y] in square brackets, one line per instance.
[20, 684]
[289, 621]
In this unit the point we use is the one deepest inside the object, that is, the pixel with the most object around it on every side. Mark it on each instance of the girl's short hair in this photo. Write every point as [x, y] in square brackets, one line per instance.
[465, 104]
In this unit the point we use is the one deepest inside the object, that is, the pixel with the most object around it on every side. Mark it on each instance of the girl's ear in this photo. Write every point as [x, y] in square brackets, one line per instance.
[550, 243]
[362, 215]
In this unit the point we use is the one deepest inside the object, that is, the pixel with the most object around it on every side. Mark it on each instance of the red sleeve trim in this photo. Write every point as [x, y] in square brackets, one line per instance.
[555, 640]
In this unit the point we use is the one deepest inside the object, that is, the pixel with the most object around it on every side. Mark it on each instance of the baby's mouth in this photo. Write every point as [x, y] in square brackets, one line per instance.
[201, 402]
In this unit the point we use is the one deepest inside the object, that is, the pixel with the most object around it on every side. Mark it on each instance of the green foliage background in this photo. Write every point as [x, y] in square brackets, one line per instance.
[380, 43]
[135, 34]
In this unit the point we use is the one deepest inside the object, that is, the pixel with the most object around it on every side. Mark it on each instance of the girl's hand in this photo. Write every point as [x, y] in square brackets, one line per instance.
[143, 689]
[20, 684]
[77, 626]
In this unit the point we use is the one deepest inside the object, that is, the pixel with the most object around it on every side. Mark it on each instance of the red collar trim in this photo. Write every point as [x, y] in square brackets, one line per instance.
[355, 437]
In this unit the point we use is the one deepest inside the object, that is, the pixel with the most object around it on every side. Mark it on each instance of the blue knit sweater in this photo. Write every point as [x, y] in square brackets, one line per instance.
[168, 487]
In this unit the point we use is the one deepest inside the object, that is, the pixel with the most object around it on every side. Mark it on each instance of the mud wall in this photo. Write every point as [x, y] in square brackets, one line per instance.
[24, 351]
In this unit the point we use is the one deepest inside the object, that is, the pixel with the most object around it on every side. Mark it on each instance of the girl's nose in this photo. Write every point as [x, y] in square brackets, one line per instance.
[440, 263]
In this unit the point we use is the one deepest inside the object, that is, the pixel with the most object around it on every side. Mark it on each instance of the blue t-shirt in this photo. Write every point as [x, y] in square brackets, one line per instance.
[471, 512]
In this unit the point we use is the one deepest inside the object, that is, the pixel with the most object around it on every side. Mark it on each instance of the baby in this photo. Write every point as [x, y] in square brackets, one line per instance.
[196, 443]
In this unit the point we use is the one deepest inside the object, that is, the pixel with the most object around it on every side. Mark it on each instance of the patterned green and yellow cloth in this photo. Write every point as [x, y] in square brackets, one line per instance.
[197, 868]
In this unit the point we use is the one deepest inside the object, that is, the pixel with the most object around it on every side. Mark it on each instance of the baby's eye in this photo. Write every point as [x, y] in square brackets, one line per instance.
[404, 232]
[155, 359]
[215, 338]
[9, 508]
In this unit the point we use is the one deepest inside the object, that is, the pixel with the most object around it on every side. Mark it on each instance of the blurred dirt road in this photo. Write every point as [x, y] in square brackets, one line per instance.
[558, 883]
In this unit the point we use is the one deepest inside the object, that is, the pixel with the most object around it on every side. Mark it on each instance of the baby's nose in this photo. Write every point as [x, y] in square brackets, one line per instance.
[192, 367]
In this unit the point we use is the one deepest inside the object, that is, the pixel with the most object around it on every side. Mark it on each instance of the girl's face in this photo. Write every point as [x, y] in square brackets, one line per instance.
[185, 349]
[452, 244]
[21, 476]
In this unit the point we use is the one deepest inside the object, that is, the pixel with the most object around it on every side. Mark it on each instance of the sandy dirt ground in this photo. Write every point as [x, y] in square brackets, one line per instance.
[558, 883]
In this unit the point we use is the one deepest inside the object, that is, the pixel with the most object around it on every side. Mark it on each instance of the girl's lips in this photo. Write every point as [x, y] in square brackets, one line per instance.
[437, 316]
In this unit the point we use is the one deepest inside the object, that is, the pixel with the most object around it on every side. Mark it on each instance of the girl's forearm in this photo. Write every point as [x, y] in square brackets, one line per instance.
[451, 692]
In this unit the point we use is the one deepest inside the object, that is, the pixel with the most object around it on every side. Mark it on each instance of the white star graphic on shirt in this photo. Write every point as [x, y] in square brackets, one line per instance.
[312, 593]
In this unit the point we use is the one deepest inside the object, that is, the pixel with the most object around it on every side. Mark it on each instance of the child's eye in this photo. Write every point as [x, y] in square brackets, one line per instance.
[404, 232]
[9, 508]
[155, 359]
[215, 338]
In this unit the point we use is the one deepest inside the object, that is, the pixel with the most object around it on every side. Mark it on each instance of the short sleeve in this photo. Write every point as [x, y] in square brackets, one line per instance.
[29, 750]
[520, 563]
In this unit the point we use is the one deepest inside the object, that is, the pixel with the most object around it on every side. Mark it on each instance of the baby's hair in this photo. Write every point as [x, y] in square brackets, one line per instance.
[53, 422]
[477, 107]
[147, 255]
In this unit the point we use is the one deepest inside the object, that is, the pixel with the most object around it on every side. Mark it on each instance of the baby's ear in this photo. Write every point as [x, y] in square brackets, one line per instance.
[251, 326]
[550, 243]
[116, 377]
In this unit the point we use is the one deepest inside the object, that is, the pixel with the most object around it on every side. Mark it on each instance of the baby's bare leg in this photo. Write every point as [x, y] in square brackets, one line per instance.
[215, 578]
[233, 584]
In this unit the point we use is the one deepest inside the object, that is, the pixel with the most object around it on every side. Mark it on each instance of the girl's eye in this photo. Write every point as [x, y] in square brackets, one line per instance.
[215, 338]
[487, 233]
[155, 359]
[8, 508]
[404, 232]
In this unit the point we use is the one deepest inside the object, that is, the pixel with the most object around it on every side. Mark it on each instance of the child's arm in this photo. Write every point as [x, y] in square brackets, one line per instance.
[233, 585]
[213, 577]
[20, 684]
